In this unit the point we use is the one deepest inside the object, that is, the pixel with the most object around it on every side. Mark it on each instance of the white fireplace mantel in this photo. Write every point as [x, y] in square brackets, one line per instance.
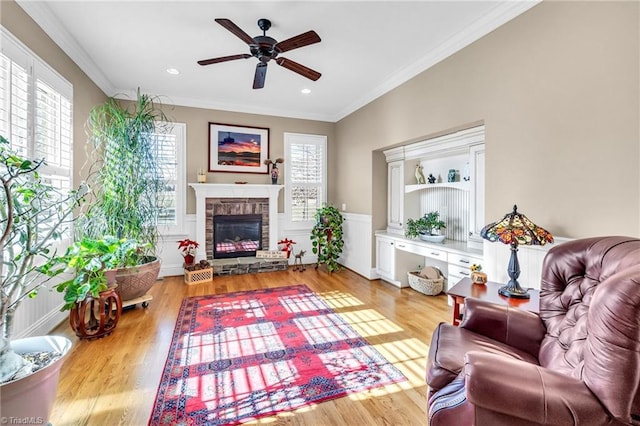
[222, 190]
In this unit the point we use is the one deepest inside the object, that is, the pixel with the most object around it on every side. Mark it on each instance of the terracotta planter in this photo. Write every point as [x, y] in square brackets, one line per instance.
[95, 318]
[135, 281]
[33, 396]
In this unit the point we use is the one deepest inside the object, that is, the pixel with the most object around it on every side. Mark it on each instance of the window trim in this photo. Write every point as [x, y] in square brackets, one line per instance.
[298, 138]
[180, 131]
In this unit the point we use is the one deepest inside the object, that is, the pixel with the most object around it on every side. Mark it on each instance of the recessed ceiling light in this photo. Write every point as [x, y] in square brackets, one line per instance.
[305, 91]
[173, 71]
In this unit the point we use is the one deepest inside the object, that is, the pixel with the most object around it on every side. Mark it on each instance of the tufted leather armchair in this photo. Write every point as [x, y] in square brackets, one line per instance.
[576, 363]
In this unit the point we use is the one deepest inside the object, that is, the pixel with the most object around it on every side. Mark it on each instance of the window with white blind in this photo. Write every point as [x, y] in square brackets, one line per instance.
[170, 147]
[305, 177]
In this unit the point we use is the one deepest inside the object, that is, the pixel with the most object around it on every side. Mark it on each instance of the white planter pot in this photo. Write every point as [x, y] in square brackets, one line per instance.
[33, 396]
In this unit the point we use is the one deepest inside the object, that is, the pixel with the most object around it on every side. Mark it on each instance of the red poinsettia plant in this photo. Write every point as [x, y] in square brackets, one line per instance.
[287, 245]
[188, 246]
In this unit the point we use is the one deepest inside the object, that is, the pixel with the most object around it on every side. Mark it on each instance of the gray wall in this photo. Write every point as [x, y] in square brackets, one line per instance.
[558, 91]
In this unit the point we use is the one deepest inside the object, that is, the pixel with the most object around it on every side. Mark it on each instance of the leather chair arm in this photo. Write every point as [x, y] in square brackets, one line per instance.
[512, 326]
[507, 391]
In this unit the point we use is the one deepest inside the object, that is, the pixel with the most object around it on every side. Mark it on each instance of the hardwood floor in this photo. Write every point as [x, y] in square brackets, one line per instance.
[114, 380]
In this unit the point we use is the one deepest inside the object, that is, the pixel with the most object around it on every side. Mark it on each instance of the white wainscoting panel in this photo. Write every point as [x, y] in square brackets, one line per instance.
[496, 258]
[40, 315]
[170, 257]
[357, 236]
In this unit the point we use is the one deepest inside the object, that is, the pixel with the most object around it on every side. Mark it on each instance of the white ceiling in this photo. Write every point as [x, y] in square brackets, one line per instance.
[367, 48]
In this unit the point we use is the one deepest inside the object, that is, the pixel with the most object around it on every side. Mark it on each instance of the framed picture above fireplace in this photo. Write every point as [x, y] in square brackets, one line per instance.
[239, 149]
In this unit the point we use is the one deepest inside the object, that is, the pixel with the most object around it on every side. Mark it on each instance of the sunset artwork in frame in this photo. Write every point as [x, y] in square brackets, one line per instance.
[238, 149]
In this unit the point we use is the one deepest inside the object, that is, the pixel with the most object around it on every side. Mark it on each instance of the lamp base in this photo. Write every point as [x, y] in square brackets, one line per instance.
[514, 290]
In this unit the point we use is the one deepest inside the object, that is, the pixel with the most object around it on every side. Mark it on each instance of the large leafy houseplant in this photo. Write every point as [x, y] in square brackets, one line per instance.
[123, 171]
[90, 261]
[326, 236]
[127, 182]
[33, 215]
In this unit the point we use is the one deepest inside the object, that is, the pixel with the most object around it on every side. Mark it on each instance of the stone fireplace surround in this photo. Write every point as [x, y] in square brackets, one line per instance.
[218, 198]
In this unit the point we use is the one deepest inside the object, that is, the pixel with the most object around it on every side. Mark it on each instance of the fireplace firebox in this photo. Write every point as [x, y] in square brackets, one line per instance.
[236, 235]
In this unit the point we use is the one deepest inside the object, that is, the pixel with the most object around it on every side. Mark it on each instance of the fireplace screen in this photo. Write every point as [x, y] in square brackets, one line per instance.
[236, 235]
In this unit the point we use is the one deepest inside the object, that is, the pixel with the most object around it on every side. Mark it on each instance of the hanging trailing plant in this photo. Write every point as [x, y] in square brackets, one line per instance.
[326, 236]
[124, 172]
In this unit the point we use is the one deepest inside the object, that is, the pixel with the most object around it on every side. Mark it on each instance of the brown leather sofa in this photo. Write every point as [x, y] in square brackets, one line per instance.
[576, 363]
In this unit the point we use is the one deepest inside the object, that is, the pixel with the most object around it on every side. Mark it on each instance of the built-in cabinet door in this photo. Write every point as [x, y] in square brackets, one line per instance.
[385, 259]
[476, 192]
[395, 201]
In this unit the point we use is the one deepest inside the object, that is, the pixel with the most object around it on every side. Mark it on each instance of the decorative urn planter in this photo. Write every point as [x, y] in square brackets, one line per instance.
[32, 397]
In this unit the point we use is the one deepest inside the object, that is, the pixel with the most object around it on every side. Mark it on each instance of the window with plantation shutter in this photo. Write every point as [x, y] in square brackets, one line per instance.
[306, 175]
[36, 112]
[170, 155]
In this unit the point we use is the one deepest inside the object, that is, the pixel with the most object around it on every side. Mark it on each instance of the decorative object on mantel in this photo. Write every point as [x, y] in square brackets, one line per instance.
[514, 229]
[287, 246]
[202, 176]
[477, 276]
[427, 228]
[274, 169]
[240, 182]
[238, 149]
[431, 178]
[451, 176]
[188, 248]
[419, 174]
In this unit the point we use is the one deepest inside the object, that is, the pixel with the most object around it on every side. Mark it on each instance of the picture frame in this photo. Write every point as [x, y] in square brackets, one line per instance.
[238, 149]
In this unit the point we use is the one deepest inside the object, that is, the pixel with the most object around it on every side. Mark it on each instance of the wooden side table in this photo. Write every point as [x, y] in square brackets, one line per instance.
[489, 292]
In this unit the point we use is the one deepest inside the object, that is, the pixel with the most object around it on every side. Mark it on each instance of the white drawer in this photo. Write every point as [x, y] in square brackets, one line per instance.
[422, 250]
[463, 260]
[459, 271]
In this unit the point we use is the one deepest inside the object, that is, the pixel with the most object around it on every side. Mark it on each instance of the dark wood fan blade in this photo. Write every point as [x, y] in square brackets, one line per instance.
[223, 59]
[235, 30]
[298, 68]
[305, 39]
[261, 74]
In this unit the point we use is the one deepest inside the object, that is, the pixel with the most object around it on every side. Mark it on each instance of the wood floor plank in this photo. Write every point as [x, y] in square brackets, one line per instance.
[113, 380]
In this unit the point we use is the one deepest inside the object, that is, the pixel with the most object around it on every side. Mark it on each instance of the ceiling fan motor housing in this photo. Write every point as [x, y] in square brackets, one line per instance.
[263, 48]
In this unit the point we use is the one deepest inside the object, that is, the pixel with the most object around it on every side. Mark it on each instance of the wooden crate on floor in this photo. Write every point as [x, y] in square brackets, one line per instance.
[199, 276]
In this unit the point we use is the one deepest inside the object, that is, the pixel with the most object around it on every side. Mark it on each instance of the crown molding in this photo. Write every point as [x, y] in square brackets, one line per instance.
[501, 14]
[41, 13]
[224, 106]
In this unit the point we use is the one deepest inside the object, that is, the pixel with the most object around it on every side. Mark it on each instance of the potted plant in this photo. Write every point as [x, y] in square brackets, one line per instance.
[188, 248]
[326, 237]
[90, 293]
[33, 215]
[426, 228]
[128, 181]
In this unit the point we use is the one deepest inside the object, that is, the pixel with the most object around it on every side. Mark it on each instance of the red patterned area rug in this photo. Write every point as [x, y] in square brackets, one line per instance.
[240, 356]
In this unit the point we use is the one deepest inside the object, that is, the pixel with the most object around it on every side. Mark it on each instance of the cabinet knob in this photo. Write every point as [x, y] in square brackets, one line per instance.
[435, 254]
[464, 261]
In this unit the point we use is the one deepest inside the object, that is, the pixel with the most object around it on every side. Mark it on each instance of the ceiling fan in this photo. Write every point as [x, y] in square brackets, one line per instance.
[266, 48]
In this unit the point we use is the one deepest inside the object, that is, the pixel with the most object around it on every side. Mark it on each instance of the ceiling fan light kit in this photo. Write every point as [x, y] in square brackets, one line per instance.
[266, 48]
